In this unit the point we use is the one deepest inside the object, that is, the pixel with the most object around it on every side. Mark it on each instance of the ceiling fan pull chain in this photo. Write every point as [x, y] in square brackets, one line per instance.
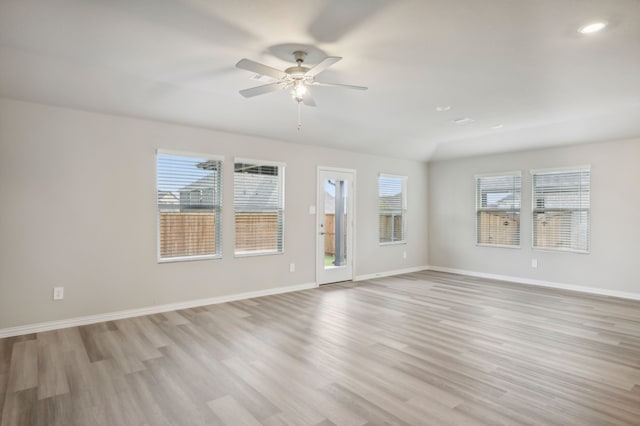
[299, 119]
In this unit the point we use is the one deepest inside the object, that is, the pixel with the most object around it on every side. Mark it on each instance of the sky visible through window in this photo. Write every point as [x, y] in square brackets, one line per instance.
[168, 168]
[389, 186]
[494, 198]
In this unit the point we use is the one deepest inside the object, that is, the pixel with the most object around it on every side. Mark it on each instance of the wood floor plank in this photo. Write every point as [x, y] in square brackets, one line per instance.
[88, 334]
[52, 378]
[172, 391]
[231, 413]
[156, 411]
[79, 373]
[23, 369]
[4, 381]
[310, 390]
[20, 408]
[424, 348]
[53, 410]
[289, 402]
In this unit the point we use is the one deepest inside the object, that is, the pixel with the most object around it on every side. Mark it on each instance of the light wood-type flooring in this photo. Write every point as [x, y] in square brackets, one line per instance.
[422, 348]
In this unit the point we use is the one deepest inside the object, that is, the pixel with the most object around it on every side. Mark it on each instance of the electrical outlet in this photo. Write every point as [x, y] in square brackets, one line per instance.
[292, 267]
[58, 293]
[404, 254]
[534, 263]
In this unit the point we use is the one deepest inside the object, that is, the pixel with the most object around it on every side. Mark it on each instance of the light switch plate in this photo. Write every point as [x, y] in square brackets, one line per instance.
[58, 293]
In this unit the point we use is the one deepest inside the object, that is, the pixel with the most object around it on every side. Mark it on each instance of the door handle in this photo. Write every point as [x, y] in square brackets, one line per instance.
[322, 233]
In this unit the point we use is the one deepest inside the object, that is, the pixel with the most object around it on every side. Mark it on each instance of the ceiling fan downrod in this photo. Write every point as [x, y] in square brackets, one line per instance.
[299, 56]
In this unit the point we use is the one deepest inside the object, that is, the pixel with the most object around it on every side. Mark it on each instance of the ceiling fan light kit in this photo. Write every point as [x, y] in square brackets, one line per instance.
[297, 79]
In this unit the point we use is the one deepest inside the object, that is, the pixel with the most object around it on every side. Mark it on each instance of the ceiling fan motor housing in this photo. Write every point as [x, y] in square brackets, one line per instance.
[297, 72]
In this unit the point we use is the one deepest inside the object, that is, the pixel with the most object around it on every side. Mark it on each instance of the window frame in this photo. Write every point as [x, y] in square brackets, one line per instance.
[218, 209]
[560, 170]
[281, 211]
[477, 177]
[403, 209]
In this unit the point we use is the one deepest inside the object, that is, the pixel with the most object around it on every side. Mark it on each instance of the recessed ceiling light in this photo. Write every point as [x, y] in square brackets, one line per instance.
[592, 27]
[497, 126]
[462, 121]
[443, 108]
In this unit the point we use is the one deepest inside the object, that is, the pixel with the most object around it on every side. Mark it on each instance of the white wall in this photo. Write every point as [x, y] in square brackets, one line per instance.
[613, 263]
[78, 210]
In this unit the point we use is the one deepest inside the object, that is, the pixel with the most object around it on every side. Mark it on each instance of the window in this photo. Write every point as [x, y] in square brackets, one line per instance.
[189, 206]
[392, 204]
[258, 201]
[498, 209]
[561, 209]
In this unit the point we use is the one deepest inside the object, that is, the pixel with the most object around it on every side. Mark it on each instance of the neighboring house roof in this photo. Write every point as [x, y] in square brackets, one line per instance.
[505, 202]
[200, 193]
[255, 192]
[205, 182]
[167, 197]
[167, 200]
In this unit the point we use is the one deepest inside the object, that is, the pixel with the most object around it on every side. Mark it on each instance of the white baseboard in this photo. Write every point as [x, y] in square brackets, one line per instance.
[129, 313]
[540, 283]
[389, 273]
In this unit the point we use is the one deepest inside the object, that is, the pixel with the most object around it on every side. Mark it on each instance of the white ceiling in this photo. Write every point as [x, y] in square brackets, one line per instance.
[513, 62]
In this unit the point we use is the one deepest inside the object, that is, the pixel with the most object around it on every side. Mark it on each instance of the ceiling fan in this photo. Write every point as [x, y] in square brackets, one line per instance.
[296, 78]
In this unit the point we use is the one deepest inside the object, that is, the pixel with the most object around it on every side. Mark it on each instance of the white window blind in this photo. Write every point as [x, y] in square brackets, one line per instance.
[498, 209]
[189, 206]
[561, 209]
[258, 200]
[392, 205]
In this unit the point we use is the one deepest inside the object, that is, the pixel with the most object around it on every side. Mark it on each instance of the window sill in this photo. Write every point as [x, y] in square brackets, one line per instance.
[258, 253]
[498, 246]
[393, 243]
[189, 258]
[559, 250]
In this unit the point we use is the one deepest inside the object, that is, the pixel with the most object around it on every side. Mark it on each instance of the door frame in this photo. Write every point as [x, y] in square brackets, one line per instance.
[320, 266]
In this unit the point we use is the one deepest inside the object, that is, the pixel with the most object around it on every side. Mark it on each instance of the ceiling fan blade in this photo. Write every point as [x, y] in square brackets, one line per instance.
[249, 65]
[261, 90]
[346, 86]
[308, 100]
[326, 63]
